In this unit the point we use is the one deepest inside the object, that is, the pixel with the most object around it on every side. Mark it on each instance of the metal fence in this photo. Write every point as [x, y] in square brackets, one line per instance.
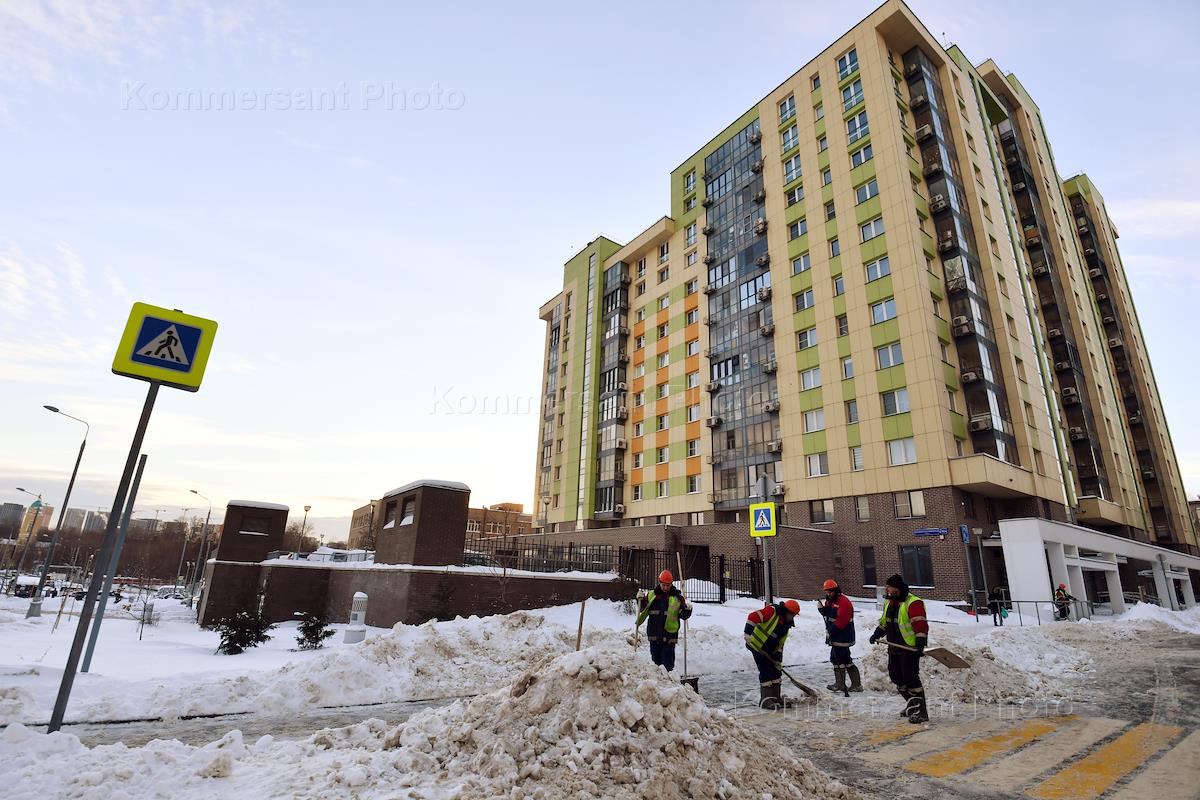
[710, 579]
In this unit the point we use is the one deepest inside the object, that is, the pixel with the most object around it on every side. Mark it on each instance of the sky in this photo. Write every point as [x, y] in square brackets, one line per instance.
[374, 200]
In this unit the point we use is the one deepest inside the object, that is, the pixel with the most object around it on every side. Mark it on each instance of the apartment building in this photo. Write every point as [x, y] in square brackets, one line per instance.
[362, 527]
[875, 289]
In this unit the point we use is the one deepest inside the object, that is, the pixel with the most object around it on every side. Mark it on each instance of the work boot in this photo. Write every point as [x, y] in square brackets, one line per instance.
[770, 697]
[855, 678]
[920, 713]
[907, 695]
[839, 680]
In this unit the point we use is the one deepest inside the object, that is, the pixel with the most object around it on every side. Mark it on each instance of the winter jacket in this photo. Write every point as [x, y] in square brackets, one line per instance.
[766, 632]
[903, 621]
[663, 610]
[839, 620]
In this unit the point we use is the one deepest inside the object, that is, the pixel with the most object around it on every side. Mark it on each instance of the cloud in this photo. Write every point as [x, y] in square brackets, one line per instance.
[1159, 218]
[358, 162]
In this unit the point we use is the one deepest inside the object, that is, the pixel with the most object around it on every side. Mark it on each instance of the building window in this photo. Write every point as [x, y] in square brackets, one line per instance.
[664, 330]
[641, 288]
[889, 355]
[691, 317]
[818, 464]
[693, 413]
[639, 428]
[852, 95]
[878, 268]
[851, 412]
[691, 287]
[693, 380]
[847, 64]
[861, 156]
[791, 138]
[801, 263]
[806, 339]
[810, 378]
[693, 448]
[693, 347]
[830, 211]
[664, 302]
[798, 228]
[664, 252]
[791, 169]
[693, 484]
[916, 564]
[689, 181]
[794, 195]
[804, 299]
[820, 510]
[662, 455]
[839, 285]
[883, 310]
[689, 235]
[639, 341]
[856, 459]
[871, 229]
[847, 368]
[664, 488]
[816, 82]
[639, 371]
[688, 205]
[894, 402]
[843, 325]
[835, 248]
[637, 460]
[867, 554]
[637, 491]
[662, 422]
[639, 399]
[857, 127]
[902, 451]
[862, 508]
[663, 274]
[909, 504]
[814, 420]
[822, 144]
[663, 360]
[691, 258]
[826, 177]
[663, 389]
[866, 191]
[787, 109]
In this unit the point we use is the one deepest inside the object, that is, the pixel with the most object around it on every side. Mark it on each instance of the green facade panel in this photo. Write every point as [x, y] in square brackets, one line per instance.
[810, 399]
[868, 210]
[814, 442]
[890, 378]
[853, 435]
[885, 332]
[875, 248]
[879, 289]
[897, 426]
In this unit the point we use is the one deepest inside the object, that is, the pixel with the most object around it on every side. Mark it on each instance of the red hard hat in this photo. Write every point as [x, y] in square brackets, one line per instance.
[792, 606]
[830, 585]
[1062, 586]
[665, 576]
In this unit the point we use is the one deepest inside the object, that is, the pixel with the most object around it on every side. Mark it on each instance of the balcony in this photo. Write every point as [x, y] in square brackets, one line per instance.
[1098, 511]
[989, 476]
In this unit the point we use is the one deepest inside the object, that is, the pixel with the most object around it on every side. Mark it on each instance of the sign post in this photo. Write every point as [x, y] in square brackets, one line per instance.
[166, 348]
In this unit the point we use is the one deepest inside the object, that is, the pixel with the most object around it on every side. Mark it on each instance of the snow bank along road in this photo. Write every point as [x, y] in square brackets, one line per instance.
[1071, 710]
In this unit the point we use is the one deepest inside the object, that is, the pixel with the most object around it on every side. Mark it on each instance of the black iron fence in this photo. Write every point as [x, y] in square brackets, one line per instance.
[710, 579]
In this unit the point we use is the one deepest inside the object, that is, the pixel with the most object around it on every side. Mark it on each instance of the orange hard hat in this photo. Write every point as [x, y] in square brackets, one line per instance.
[1062, 586]
[830, 585]
[792, 606]
[666, 577]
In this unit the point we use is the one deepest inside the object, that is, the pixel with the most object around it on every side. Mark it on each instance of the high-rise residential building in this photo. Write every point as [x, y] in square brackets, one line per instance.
[11, 515]
[74, 519]
[875, 289]
[36, 521]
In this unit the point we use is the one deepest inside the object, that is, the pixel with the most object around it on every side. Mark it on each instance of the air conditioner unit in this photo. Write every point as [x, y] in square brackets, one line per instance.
[707, 201]
[947, 244]
[960, 321]
[963, 330]
[1083, 228]
[1062, 366]
[709, 321]
[1148, 473]
[938, 204]
[1114, 343]
[709, 258]
[707, 230]
[1089, 251]
[775, 446]
[619, 509]
[621, 444]
[706, 176]
[760, 226]
[622, 386]
[1095, 273]
[970, 377]
[712, 498]
[932, 168]
[1108, 320]
[919, 100]
[713, 386]
[1054, 333]
[911, 69]
[714, 459]
[981, 424]
[709, 289]
[780, 489]
[756, 166]
[622, 413]
[755, 137]
[623, 358]
[760, 196]
[1019, 186]
[710, 353]
[1135, 419]
[762, 261]
[1069, 391]
[624, 280]
[771, 406]
[1077, 434]
[713, 422]
[770, 366]
[1040, 270]
[1033, 241]
[1101, 296]
[766, 330]
[764, 293]
[924, 132]
[1012, 160]
[622, 330]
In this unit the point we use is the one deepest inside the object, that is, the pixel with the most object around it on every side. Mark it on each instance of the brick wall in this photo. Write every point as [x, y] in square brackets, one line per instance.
[251, 547]
[435, 536]
[238, 590]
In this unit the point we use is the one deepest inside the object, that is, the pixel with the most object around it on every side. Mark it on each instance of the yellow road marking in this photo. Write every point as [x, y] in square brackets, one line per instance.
[974, 753]
[1092, 776]
[1013, 772]
[1175, 776]
[893, 734]
[931, 739]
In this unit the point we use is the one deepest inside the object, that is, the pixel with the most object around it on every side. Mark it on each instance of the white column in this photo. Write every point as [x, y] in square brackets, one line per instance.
[1163, 586]
[1116, 595]
[1189, 593]
[1025, 566]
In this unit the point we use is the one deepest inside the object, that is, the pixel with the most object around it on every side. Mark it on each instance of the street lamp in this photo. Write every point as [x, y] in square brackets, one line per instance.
[37, 509]
[35, 605]
[303, 525]
[204, 544]
[183, 550]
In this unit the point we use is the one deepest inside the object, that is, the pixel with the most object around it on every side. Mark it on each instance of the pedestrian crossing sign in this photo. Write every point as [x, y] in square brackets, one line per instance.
[762, 519]
[165, 346]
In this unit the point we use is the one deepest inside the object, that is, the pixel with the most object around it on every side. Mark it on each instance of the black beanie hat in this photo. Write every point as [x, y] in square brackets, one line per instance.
[897, 582]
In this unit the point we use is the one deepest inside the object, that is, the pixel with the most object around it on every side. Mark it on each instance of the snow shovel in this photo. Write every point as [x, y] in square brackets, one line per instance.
[687, 680]
[808, 690]
[939, 654]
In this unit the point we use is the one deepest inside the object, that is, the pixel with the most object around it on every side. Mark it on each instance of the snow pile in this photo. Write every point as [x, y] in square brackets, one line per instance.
[1187, 621]
[1007, 665]
[590, 724]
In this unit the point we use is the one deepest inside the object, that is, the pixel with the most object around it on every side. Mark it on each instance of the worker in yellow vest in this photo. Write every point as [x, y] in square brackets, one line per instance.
[664, 606]
[765, 634]
[904, 626]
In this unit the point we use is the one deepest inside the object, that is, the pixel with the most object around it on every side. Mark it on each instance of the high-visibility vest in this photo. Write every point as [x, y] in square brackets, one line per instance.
[762, 633]
[902, 620]
[671, 625]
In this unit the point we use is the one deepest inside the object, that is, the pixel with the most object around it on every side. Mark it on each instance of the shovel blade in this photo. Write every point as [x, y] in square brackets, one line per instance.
[947, 658]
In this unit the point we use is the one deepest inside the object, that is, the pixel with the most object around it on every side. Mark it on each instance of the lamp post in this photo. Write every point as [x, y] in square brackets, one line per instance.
[37, 510]
[35, 605]
[183, 550]
[303, 525]
[203, 546]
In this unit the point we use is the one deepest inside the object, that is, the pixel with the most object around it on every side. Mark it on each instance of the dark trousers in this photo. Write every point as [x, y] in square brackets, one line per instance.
[767, 671]
[904, 668]
[840, 656]
[663, 654]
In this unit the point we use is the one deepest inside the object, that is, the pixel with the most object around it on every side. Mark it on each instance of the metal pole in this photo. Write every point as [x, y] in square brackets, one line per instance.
[112, 564]
[183, 550]
[35, 605]
[37, 511]
[106, 548]
[767, 569]
[203, 557]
